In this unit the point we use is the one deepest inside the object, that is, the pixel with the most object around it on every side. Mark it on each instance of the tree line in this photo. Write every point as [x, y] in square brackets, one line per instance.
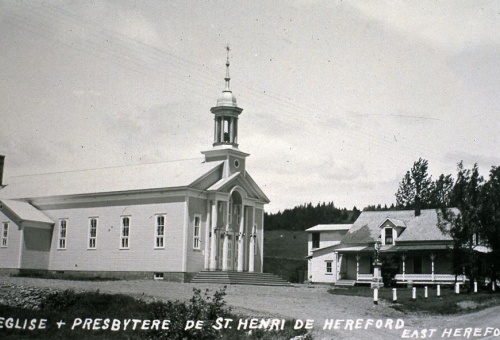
[307, 215]
[475, 227]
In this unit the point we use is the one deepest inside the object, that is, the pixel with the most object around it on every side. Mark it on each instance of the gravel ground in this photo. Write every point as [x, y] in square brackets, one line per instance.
[299, 302]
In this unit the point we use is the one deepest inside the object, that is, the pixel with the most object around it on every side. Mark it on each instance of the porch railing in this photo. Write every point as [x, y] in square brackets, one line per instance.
[364, 277]
[429, 278]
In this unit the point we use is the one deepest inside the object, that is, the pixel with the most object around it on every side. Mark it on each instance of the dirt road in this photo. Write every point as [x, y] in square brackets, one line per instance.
[353, 317]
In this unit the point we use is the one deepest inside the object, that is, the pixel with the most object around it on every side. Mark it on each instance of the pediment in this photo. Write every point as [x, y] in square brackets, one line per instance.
[242, 180]
[391, 223]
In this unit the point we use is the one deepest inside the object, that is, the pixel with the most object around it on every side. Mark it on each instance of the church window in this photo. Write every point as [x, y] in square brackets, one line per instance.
[160, 231]
[196, 232]
[125, 232]
[236, 163]
[315, 240]
[92, 233]
[328, 267]
[237, 212]
[63, 225]
[5, 233]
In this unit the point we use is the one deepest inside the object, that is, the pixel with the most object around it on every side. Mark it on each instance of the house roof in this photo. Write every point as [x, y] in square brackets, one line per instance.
[418, 228]
[170, 174]
[333, 245]
[25, 211]
[329, 227]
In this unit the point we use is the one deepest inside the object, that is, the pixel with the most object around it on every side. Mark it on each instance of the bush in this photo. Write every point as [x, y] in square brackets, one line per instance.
[205, 308]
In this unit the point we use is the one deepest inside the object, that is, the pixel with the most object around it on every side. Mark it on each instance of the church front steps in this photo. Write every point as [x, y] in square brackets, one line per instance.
[239, 278]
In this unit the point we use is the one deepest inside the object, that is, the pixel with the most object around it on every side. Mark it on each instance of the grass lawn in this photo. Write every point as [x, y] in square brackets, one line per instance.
[448, 303]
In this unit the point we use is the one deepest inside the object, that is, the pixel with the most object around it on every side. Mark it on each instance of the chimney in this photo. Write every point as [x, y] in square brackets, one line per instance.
[417, 205]
[2, 158]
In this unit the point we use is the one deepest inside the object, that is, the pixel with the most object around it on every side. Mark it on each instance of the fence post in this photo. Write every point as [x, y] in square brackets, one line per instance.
[394, 295]
[438, 288]
[475, 286]
[414, 293]
[425, 292]
[375, 296]
[457, 288]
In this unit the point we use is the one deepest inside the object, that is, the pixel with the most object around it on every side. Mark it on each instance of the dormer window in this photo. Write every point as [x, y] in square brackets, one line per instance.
[388, 239]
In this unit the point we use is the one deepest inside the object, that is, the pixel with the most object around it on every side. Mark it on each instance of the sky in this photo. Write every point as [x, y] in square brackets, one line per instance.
[339, 97]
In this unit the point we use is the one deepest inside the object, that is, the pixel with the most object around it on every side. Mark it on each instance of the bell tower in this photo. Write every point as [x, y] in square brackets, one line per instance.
[226, 113]
[225, 145]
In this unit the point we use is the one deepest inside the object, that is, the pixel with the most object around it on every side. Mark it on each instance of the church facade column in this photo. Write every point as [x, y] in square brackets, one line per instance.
[208, 229]
[251, 252]
[241, 240]
[213, 239]
[225, 244]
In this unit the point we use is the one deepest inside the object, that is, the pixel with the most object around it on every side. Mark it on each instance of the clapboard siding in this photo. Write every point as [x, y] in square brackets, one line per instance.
[196, 257]
[107, 256]
[9, 256]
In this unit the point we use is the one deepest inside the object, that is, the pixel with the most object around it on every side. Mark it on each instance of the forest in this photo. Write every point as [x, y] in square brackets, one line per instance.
[307, 215]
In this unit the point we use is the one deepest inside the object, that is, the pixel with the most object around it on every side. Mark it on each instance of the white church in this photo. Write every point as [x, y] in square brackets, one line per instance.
[166, 220]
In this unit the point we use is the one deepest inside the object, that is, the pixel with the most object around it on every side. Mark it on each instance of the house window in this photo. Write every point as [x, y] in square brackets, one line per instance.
[5, 233]
[160, 231]
[196, 232]
[125, 232]
[328, 267]
[63, 224]
[92, 233]
[388, 236]
[315, 240]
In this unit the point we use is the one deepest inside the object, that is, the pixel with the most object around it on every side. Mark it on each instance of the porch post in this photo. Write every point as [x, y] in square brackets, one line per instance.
[403, 257]
[213, 240]
[251, 251]
[225, 244]
[432, 265]
[357, 265]
[241, 240]
[337, 268]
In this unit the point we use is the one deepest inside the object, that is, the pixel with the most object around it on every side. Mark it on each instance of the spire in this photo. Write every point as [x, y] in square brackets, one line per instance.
[227, 78]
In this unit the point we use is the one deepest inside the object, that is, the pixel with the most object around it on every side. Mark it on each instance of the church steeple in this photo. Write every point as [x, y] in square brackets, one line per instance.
[226, 113]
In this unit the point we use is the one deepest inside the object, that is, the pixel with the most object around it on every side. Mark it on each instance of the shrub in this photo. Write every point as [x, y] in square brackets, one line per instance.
[200, 307]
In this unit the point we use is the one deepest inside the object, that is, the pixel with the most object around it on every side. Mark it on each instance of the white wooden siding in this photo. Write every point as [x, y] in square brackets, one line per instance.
[141, 256]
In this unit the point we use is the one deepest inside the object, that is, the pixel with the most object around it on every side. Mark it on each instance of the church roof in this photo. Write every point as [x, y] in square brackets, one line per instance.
[418, 228]
[172, 174]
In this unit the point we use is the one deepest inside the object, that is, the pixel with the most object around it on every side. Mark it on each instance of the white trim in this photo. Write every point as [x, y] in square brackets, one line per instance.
[197, 245]
[331, 267]
[4, 238]
[59, 237]
[94, 238]
[123, 237]
[157, 235]
[185, 234]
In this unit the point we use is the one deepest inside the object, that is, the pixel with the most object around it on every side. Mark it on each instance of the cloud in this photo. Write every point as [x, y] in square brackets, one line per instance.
[451, 25]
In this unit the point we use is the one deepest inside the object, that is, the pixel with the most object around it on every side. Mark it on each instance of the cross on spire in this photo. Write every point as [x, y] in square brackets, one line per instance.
[227, 78]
